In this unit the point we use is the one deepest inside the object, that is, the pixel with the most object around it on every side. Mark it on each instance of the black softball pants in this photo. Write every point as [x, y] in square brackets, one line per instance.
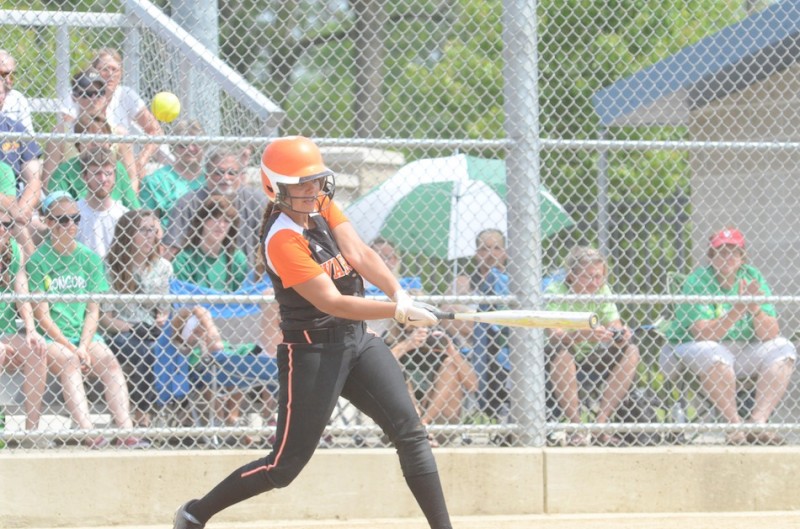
[358, 366]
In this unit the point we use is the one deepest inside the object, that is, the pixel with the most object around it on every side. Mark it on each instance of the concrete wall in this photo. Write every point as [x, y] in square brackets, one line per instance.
[63, 489]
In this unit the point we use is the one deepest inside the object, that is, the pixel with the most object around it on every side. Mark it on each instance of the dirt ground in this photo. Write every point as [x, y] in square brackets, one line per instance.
[744, 520]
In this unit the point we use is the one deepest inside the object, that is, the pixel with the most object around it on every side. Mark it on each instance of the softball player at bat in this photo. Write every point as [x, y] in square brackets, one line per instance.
[316, 262]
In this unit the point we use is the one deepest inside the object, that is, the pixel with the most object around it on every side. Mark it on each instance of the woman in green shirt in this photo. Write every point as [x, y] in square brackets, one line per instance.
[62, 265]
[20, 350]
[211, 259]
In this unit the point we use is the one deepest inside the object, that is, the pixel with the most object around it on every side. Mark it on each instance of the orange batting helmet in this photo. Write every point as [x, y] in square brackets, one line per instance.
[293, 160]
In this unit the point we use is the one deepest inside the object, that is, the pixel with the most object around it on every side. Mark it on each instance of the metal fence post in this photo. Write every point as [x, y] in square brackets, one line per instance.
[524, 222]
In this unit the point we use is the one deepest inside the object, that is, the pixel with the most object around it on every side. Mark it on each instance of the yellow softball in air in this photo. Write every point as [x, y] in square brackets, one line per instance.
[166, 106]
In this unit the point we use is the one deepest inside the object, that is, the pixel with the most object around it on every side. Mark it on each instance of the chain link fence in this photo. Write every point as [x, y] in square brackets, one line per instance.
[629, 159]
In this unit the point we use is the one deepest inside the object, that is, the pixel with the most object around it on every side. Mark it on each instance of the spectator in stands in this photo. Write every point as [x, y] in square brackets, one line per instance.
[224, 176]
[606, 353]
[99, 212]
[89, 96]
[8, 187]
[389, 255]
[23, 157]
[25, 350]
[88, 89]
[124, 108]
[87, 124]
[491, 341]
[211, 259]
[162, 188]
[134, 266]
[16, 105]
[463, 336]
[62, 265]
[720, 341]
[413, 285]
[439, 373]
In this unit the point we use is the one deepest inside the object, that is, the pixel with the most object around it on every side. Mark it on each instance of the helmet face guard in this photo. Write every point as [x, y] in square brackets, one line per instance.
[294, 160]
[327, 189]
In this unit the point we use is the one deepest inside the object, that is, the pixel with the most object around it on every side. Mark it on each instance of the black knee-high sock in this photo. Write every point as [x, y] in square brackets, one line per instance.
[427, 490]
[230, 491]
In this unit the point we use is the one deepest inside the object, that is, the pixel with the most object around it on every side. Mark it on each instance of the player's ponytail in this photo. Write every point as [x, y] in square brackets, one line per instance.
[261, 260]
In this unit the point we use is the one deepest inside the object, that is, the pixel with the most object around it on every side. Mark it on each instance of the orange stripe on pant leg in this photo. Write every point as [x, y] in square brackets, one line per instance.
[285, 436]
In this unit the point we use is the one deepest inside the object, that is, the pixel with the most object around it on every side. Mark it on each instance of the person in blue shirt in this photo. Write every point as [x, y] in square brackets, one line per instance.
[491, 356]
[24, 158]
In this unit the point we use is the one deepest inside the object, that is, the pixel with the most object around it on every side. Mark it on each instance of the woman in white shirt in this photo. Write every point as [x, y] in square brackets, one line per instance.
[125, 108]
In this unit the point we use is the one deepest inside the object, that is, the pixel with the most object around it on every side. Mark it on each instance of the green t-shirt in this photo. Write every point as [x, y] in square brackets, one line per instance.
[703, 282]
[8, 311]
[67, 177]
[163, 187]
[220, 273]
[8, 180]
[606, 311]
[80, 272]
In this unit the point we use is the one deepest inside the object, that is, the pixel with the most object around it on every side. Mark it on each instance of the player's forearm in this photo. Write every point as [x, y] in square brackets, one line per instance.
[373, 269]
[358, 309]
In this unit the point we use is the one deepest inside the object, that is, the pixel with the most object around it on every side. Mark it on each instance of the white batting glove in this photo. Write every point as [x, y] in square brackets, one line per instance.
[414, 314]
[421, 315]
[404, 304]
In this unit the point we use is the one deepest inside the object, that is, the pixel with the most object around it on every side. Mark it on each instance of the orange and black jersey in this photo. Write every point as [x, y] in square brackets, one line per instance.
[294, 255]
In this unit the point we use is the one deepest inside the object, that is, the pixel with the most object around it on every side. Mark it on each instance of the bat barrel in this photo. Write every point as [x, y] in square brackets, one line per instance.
[527, 318]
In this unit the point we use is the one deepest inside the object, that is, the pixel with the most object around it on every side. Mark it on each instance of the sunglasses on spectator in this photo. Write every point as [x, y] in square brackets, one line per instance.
[7, 75]
[66, 219]
[89, 94]
[7, 224]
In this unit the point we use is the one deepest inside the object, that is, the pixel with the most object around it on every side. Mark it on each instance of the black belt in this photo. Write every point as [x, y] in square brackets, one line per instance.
[327, 335]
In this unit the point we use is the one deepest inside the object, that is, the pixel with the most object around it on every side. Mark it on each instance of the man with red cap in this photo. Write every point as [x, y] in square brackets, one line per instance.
[723, 340]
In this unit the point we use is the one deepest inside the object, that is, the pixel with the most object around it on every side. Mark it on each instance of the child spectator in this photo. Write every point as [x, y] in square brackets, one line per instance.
[130, 184]
[62, 265]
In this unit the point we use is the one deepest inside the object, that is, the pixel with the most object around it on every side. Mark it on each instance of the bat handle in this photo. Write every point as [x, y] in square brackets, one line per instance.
[442, 315]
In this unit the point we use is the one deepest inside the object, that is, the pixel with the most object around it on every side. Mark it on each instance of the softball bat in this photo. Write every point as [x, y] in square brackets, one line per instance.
[549, 319]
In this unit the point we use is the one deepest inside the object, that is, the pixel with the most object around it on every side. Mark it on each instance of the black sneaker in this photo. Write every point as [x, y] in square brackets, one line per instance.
[184, 520]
